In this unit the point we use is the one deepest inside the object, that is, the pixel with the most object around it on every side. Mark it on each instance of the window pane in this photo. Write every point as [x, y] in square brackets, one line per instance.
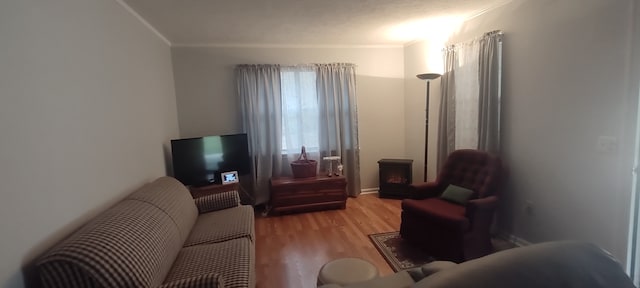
[299, 109]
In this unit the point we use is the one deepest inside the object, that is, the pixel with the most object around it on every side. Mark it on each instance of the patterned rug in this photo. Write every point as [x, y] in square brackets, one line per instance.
[399, 254]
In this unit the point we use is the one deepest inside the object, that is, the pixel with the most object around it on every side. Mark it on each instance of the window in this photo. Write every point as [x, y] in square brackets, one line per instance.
[466, 97]
[299, 109]
[282, 111]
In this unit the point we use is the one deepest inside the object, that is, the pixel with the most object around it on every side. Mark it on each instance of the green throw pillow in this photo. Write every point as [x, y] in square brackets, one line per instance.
[457, 194]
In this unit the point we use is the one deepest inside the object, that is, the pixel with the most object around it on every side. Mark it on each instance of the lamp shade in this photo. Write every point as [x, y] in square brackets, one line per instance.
[428, 76]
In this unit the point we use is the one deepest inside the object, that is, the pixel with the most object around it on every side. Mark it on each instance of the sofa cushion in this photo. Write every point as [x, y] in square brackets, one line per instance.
[211, 280]
[132, 244]
[170, 196]
[222, 225]
[233, 260]
[217, 201]
[457, 194]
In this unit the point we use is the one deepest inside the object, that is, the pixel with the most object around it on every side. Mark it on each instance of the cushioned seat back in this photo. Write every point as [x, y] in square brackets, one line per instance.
[472, 169]
[564, 264]
[132, 244]
[170, 196]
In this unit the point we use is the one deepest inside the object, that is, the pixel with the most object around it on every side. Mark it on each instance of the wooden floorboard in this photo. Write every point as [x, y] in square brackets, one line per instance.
[290, 249]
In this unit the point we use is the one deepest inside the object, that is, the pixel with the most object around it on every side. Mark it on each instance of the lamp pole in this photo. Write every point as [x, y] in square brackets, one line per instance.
[428, 77]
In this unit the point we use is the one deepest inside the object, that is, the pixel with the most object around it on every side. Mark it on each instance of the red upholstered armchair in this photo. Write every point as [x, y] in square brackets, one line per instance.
[448, 230]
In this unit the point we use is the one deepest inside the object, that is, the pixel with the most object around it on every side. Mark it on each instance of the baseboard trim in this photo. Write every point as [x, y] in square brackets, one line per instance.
[369, 191]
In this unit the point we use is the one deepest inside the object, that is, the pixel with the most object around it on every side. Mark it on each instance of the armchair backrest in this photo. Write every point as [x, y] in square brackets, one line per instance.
[473, 169]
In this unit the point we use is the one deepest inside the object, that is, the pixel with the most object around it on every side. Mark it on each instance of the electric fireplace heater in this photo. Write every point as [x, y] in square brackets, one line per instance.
[395, 177]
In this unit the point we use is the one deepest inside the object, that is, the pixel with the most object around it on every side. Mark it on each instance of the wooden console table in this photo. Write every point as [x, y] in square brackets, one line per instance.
[308, 194]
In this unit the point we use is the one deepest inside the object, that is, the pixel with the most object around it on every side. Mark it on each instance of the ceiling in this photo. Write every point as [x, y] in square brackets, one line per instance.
[304, 22]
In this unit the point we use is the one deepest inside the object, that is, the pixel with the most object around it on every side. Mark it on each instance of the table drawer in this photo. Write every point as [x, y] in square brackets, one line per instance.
[306, 198]
[312, 193]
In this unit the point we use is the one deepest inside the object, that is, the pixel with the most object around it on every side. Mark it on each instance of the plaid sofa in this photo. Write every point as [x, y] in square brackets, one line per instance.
[159, 236]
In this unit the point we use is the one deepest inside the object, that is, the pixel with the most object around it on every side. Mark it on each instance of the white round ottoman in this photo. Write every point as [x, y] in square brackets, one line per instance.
[346, 271]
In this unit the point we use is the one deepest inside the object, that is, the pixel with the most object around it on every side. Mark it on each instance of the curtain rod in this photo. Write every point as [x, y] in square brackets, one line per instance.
[299, 65]
[494, 33]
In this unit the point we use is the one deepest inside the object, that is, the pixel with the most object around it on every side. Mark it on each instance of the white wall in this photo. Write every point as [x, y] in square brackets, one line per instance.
[566, 82]
[207, 104]
[87, 106]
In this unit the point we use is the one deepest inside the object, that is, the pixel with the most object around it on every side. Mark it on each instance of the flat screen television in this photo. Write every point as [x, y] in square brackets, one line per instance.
[199, 161]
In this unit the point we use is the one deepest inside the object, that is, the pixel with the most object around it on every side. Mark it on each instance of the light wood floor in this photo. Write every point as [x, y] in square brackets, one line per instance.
[290, 249]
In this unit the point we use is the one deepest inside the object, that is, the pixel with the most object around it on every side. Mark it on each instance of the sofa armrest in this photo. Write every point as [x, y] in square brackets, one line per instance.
[211, 280]
[424, 190]
[217, 201]
[436, 266]
[426, 270]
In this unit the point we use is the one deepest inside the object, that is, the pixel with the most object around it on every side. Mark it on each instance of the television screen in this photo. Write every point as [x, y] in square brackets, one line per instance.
[199, 161]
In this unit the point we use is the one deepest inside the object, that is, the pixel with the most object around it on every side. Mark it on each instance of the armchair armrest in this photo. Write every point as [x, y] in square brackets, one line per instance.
[425, 190]
[480, 211]
[483, 204]
[212, 280]
[217, 201]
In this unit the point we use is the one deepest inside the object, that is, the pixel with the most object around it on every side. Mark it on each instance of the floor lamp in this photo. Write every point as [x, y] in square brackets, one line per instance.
[428, 77]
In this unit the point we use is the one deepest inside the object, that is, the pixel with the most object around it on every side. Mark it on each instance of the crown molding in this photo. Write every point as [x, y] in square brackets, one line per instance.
[487, 10]
[239, 45]
[144, 22]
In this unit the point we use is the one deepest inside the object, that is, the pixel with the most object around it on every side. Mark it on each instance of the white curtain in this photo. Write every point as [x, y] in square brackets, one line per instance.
[336, 86]
[259, 89]
[470, 106]
[490, 81]
[285, 108]
[447, 123]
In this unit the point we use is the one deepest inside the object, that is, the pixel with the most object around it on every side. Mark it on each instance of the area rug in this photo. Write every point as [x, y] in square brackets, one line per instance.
[399, 254]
